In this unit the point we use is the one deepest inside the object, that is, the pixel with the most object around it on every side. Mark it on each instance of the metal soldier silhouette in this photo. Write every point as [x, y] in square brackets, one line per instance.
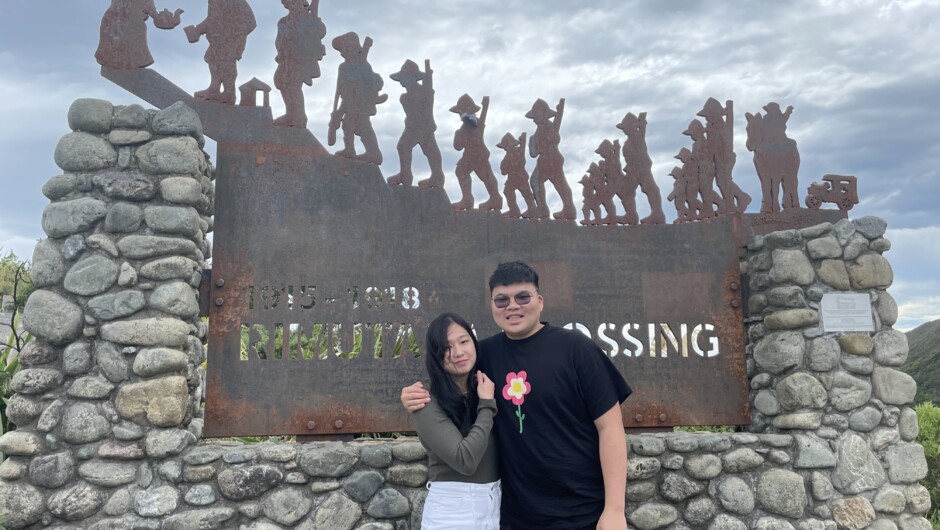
[300, 48]
[701, 171]
[679, 195]
[639, 165]
[475, 157]
[549, 166]
[357, 94]
[776, 158]
[418, 103]
[719, 132]
[616, 183]
[517, 178]
[226, 27]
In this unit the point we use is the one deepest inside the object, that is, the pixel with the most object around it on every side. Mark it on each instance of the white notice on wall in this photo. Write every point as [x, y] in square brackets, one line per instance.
[847, 312]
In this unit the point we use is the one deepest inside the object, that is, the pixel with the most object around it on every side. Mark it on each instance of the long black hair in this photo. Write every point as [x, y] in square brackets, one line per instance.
[460, 408]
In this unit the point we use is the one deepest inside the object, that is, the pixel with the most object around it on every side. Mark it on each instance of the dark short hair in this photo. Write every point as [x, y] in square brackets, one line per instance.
[513, 272]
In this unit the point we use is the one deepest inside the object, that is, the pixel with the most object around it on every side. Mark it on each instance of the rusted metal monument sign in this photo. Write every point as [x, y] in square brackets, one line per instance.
[325, 274]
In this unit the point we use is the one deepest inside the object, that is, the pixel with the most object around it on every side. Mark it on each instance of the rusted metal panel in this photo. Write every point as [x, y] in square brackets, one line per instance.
[321, 231]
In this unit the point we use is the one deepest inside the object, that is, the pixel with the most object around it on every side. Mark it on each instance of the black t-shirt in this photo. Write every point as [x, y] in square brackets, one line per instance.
[550, 388]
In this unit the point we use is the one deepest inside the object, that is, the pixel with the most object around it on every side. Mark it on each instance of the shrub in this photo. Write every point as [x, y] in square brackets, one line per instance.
[928, 418]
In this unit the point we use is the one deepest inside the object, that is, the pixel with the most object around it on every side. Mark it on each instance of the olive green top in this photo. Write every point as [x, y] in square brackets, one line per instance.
[453, 457]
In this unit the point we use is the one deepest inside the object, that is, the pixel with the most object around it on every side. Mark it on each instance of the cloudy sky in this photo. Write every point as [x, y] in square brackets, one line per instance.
[862, 76]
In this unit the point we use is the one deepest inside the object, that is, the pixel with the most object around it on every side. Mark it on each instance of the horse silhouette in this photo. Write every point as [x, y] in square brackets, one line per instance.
[777, 162]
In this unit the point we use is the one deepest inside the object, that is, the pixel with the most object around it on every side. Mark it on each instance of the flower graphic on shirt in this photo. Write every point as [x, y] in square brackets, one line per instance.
[515, 390]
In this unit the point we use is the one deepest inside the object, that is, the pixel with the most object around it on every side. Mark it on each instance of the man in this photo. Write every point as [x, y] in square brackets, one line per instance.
[559, 426]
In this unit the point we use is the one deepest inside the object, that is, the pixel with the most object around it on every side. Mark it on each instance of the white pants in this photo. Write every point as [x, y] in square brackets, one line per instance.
[462, 505]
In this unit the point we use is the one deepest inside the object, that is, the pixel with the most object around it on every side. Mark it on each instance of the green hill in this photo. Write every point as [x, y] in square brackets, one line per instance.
[923, 362]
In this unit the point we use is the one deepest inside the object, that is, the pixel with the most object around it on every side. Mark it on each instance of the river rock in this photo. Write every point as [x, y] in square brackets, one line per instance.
[781, 351]
[177, 120]
[833, 273]
[171, 155]
[123, 217]
[857, 469]
[871, 271]
[84, 423]
[48, 266]
[286, 505]
[76, 503]
[162, 402]
[890, 348]
[90, 115]
[80, 151]
[62, 219]
[337, 512]
[801, 390]
[181, 190]
[126, 186]
[146, 332]
[651, 516]
[853, 513]
[791, 266]
[892, 386]
[791, 319]
[143, 247]
[240, 483]
[116, 305]
[20, 504]
[91, 276]
[328, 459]
[782, 492]
[175, 298]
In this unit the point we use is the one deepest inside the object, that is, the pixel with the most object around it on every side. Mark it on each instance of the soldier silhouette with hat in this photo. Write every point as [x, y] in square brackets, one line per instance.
[639, 165]
[679, 195]
[475, 157]
[617, 184]
[357, 94]
[549, 166]
[701, 171]
[517, 178]
[719, 132]
[689, 184]
[299, 45]
[418, 103]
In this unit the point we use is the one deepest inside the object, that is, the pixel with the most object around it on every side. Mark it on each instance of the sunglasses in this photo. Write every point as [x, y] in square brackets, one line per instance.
[502, 301]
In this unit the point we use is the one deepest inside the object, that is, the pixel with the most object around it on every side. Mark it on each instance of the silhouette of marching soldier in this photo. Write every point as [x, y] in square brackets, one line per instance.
[719, 131]
[475, 157]
[299, 45]
[517, 178]
[639, 165]
[689, 182]
[701, 172]
[679, 195]
[594, 196]
[617, 184]
[226, 27]
[549, 166]
[776, 158]
[122, 44]
[357, 94]
[418, 103]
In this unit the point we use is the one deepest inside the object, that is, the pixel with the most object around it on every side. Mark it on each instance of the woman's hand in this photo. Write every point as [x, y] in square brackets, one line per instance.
[485, 387]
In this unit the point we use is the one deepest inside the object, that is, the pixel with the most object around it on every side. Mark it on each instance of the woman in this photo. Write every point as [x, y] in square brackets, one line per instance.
[456, 429]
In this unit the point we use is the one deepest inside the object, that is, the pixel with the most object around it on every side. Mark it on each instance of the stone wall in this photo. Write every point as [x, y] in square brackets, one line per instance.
[832, 428]
[109, 400]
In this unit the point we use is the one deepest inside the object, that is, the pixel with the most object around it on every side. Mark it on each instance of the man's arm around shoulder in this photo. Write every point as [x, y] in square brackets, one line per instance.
[414, 397]
[613, 454]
